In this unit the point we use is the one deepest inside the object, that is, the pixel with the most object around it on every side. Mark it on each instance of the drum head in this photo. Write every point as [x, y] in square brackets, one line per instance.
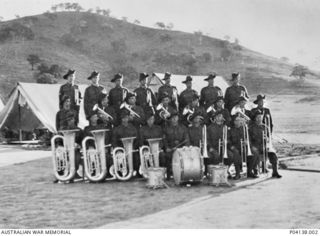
[176, 166]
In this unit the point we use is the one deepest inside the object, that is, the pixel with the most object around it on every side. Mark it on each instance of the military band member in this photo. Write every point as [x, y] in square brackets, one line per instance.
[170, 90]
[66, 117]
[186, 95]
[72, 90]
[92, 94]
[235, 135]
[126, 130]
[175, 136]
[145, 96]
[239, 110]
[218, 108]
[258, 143]
[195, 130]
[234, 92]
[117, 94]
[209, 94]
[164, 110]
[193, 108]
[260, 101]
[137, 117]
[93, 125]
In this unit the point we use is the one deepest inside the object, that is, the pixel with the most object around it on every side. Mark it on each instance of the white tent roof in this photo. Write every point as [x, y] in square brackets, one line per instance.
[197, 84]
[41, 104]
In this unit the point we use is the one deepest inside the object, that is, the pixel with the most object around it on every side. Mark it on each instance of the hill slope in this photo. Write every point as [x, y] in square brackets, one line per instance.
[86, 42]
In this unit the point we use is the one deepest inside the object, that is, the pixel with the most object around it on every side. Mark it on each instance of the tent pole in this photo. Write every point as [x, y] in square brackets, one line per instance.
[19, 110]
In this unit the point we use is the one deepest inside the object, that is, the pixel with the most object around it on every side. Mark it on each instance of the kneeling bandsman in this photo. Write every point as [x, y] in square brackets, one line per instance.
[175, 136]
[259, 145]
[164, 110]
[193, 108]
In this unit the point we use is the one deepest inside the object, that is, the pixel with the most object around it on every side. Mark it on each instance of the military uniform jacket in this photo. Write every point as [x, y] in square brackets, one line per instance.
[175, 135]
[256, 138]
[195, 135]
[91, 98]
[145, 97]
[73, 92]
[172, 91]
[147, 132]
[209, 95]
[185, 98]
[265, 111]
[234, 137]
[232, 95]
[63, 117]
[159, 120]
[214, 133]
[117, 96]
[122, 131]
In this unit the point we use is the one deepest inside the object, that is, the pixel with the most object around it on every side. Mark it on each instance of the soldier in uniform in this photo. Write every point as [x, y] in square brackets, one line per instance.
[126, 130]
[256, 138]
[265, 111]
[235, 135]
[239, 110]
[145, 96]
[137, 117]
[193, 108]
[164, 110]
[218, 108]
[92, 94]
[175, 136]
[169, 89]
[234, 92]
[209, 94]
[186, 95]
[72, 90]
[66, 118]
[117, 94]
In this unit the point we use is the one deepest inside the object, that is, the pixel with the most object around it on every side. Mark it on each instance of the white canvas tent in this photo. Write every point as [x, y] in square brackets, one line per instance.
[197, 84]
[33, 105]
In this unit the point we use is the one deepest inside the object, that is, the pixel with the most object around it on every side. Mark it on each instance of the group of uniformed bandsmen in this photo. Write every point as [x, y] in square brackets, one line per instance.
[175, 118]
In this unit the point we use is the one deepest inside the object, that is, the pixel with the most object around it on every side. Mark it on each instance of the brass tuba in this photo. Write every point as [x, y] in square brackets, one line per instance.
[63, 157]
[223, 143]
[95, 165]
[149, 156]
[123, 160]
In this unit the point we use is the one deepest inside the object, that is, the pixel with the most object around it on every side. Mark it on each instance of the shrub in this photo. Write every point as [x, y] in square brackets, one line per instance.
[16, 30]
[46, 78]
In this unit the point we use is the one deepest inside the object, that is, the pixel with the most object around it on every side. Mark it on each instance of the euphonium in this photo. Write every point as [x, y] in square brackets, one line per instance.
[64, 162]
[203, 142]
[95, 165]
[123, 160]
[149, 156]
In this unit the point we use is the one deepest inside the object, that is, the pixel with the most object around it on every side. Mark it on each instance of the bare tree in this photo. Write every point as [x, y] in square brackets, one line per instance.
[137, 22]
[170, 26]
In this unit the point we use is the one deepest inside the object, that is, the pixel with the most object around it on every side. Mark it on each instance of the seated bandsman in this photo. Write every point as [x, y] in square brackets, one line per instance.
[218, 108]
[260, 101]
[137, 118]
[164, 110]
[235, 135]
[193, 108]
[94, 124]
[258, 143]
[126, 130]
[216, 155]
[175, 136]
[145, 95]
[195, 130]
[186, 95]
[170, 90]
[65, 115]
[117, 94]
[209, 94]
[106, 114]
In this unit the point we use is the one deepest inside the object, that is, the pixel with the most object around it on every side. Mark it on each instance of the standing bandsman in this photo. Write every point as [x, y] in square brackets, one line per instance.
[193, 108]
[137, 117]
[186, 95]
[118, 94]
[218, 108]
[210, 93]
[164, 110]
[175, 136]
[169, 89]
[265, 111]
[72, 90]
[92, 94]
[234, 92]
[145, 95]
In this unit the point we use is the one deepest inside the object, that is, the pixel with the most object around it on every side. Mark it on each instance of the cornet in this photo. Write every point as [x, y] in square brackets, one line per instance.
[127, 106]
[96, 107]
[164, 113]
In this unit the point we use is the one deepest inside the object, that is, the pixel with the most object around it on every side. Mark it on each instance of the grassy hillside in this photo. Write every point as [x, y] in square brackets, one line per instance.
[87, 41]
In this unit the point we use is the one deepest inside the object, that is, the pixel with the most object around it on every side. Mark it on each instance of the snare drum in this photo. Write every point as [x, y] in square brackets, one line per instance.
[218, 174]
[156, 177]
[187, 165]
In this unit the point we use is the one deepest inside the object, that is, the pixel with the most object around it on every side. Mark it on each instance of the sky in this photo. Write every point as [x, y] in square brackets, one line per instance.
[280, 28]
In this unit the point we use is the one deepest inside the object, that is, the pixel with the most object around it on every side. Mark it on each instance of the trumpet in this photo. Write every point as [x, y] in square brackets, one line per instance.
[63, 157]
[127, 106]
[164, 113]
[238, 110]
[96, 107]
[223, 143]
[203, 142]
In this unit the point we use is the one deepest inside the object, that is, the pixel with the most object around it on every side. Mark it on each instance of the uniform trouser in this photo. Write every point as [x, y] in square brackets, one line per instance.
[251, 161]
[272, 158]
[215, 159]
[166, 161]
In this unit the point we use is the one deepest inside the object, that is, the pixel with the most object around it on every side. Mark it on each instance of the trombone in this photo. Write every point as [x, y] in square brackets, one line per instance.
[245, 149]
[203, 142]
[223, 153]
[268, 135]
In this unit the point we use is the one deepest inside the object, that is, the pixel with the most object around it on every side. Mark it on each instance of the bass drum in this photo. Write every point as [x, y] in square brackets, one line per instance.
[187, 165]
